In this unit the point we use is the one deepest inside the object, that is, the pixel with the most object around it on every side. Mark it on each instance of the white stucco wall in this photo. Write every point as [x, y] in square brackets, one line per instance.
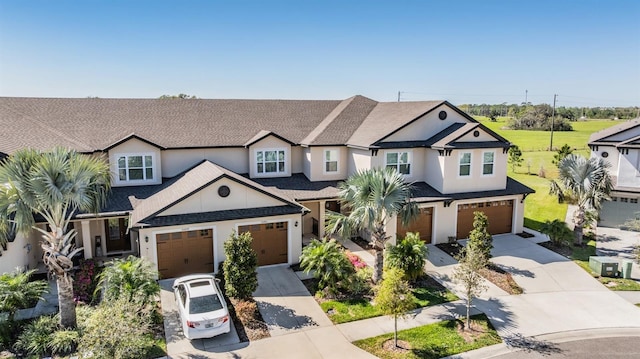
[271, 143]
[235, 159]
[433, 169]
[613, 157]
[628, 168]
[427, 125]
[221, 232]
[135, 147]
[417, 160]
[306, 161]
[23, 252]
[208, 200]
[297, 159]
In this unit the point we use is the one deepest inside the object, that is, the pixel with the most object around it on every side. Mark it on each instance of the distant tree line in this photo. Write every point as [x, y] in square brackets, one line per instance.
[569, 113]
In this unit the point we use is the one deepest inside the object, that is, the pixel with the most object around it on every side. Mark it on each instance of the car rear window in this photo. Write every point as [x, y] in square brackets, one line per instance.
[207, 303]
[199, 284]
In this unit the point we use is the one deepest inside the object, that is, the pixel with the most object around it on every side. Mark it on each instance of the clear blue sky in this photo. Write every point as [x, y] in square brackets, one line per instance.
[588, 52]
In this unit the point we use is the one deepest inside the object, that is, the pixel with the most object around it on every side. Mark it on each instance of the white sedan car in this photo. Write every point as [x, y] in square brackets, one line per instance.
[203, 311]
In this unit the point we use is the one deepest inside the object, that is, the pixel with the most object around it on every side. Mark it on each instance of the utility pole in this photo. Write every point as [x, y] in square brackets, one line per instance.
[526, 95]
[398, 96]
[553, 115]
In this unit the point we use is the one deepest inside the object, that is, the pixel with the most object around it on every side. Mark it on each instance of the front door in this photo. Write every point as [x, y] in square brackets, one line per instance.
[117, 235]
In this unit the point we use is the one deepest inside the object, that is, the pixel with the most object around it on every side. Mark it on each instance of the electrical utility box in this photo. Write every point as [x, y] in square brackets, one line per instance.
[604, 266]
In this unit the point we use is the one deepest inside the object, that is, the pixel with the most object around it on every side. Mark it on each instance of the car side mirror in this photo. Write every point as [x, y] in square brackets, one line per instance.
[218, 280]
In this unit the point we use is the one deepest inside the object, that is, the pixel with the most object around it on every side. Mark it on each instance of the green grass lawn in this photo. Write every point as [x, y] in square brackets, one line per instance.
[357, 309]
[540, 206]
[435, 340]
[581, 257]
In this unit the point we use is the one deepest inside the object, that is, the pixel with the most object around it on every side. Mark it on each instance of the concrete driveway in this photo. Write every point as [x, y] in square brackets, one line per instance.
[558, 295]
[614, 242]
[176, 342]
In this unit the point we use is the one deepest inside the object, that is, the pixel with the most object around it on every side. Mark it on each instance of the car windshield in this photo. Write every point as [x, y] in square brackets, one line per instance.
[207, 303]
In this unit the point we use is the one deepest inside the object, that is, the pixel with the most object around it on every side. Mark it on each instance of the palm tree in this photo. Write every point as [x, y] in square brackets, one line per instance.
[372, 198]
[587, 182]
[54, 186]
[17, 291]
[133, 279]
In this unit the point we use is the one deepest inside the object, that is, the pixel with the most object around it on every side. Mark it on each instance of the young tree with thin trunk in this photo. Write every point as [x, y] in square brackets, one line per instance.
[394, 297]
[54, 186]
[373, 198]
[471, 261]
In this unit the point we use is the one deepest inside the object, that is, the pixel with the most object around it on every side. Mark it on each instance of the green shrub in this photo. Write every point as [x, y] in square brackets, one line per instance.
[116, 330]
[17, 291]
[558, 232]
[6, 332]
[329, 264]
[408, 255]
[240, 276]
[133, 279]
[37, 335]
[360, 283]
[64, 341]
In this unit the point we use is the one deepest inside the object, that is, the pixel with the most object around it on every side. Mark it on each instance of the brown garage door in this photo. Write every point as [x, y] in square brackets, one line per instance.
[422, 224]
[500, 214]
[269, 242]
[181, 253]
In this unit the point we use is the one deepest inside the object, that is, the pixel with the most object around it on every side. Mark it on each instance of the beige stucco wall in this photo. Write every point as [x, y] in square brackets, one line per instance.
[235, 159]
[476, 181]
[306, 161]
[317, 168]
[208, 200]
[482, 136]
[417, 160]
[307, 219]
[427, 125]
[433, 169]
[270, 143]
[221, 232]
[130, 147]
[297, 159]
[358, 160]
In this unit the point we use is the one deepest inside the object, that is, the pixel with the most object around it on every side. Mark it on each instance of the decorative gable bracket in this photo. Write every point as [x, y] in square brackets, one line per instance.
[447, 202]
[524, 196]
[446, 152]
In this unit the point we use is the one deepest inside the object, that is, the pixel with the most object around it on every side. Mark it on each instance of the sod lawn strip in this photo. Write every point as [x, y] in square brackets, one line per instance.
[435, 340]
[349, 310]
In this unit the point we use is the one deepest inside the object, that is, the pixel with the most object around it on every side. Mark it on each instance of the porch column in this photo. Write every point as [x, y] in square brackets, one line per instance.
[86, 240]
[321, 214]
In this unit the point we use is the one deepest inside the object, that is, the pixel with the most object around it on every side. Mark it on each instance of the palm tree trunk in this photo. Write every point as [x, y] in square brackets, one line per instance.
[378, 265]
[578, 220]
[66, 303]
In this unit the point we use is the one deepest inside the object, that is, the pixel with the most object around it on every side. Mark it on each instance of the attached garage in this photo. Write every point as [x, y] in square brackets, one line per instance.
[422, 224]
[500, 214]
[188, 252]
[269, 242]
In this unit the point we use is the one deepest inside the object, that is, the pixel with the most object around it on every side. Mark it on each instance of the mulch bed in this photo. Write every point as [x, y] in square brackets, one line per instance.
[525, 235]
[403, 347]
[493, 273]
[565, 251]
[249, 324]
[364, 244]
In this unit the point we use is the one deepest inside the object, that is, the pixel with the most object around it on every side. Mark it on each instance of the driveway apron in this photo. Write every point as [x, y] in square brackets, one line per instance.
[285, 303]
[558, 296]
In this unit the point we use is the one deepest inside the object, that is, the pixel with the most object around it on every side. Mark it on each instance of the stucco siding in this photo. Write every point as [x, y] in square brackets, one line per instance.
[221, 232]
[297, 159]
[433, 169]
[612, 157]
[175, 162]
[270, 143]
[359, 160]
[23, 252]
[208, 200]
[428, 125]
[628, 166]
[135, 147]
[317, 165]
[476, 180]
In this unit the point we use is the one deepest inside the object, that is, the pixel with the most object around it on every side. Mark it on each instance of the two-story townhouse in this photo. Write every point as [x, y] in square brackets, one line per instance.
[187, 173]
[619, 146]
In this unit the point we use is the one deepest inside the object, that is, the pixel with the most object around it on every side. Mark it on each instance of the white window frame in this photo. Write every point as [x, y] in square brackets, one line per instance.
[398, 163]
[334, 156]
[492, 163]
[264, 161]
[460, 164]
[144, 167]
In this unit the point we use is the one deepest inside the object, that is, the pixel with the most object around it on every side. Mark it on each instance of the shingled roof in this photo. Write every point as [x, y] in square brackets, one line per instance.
[602, 136]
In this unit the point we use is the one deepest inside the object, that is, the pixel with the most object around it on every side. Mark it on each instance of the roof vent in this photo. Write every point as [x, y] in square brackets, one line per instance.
[442, 115]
